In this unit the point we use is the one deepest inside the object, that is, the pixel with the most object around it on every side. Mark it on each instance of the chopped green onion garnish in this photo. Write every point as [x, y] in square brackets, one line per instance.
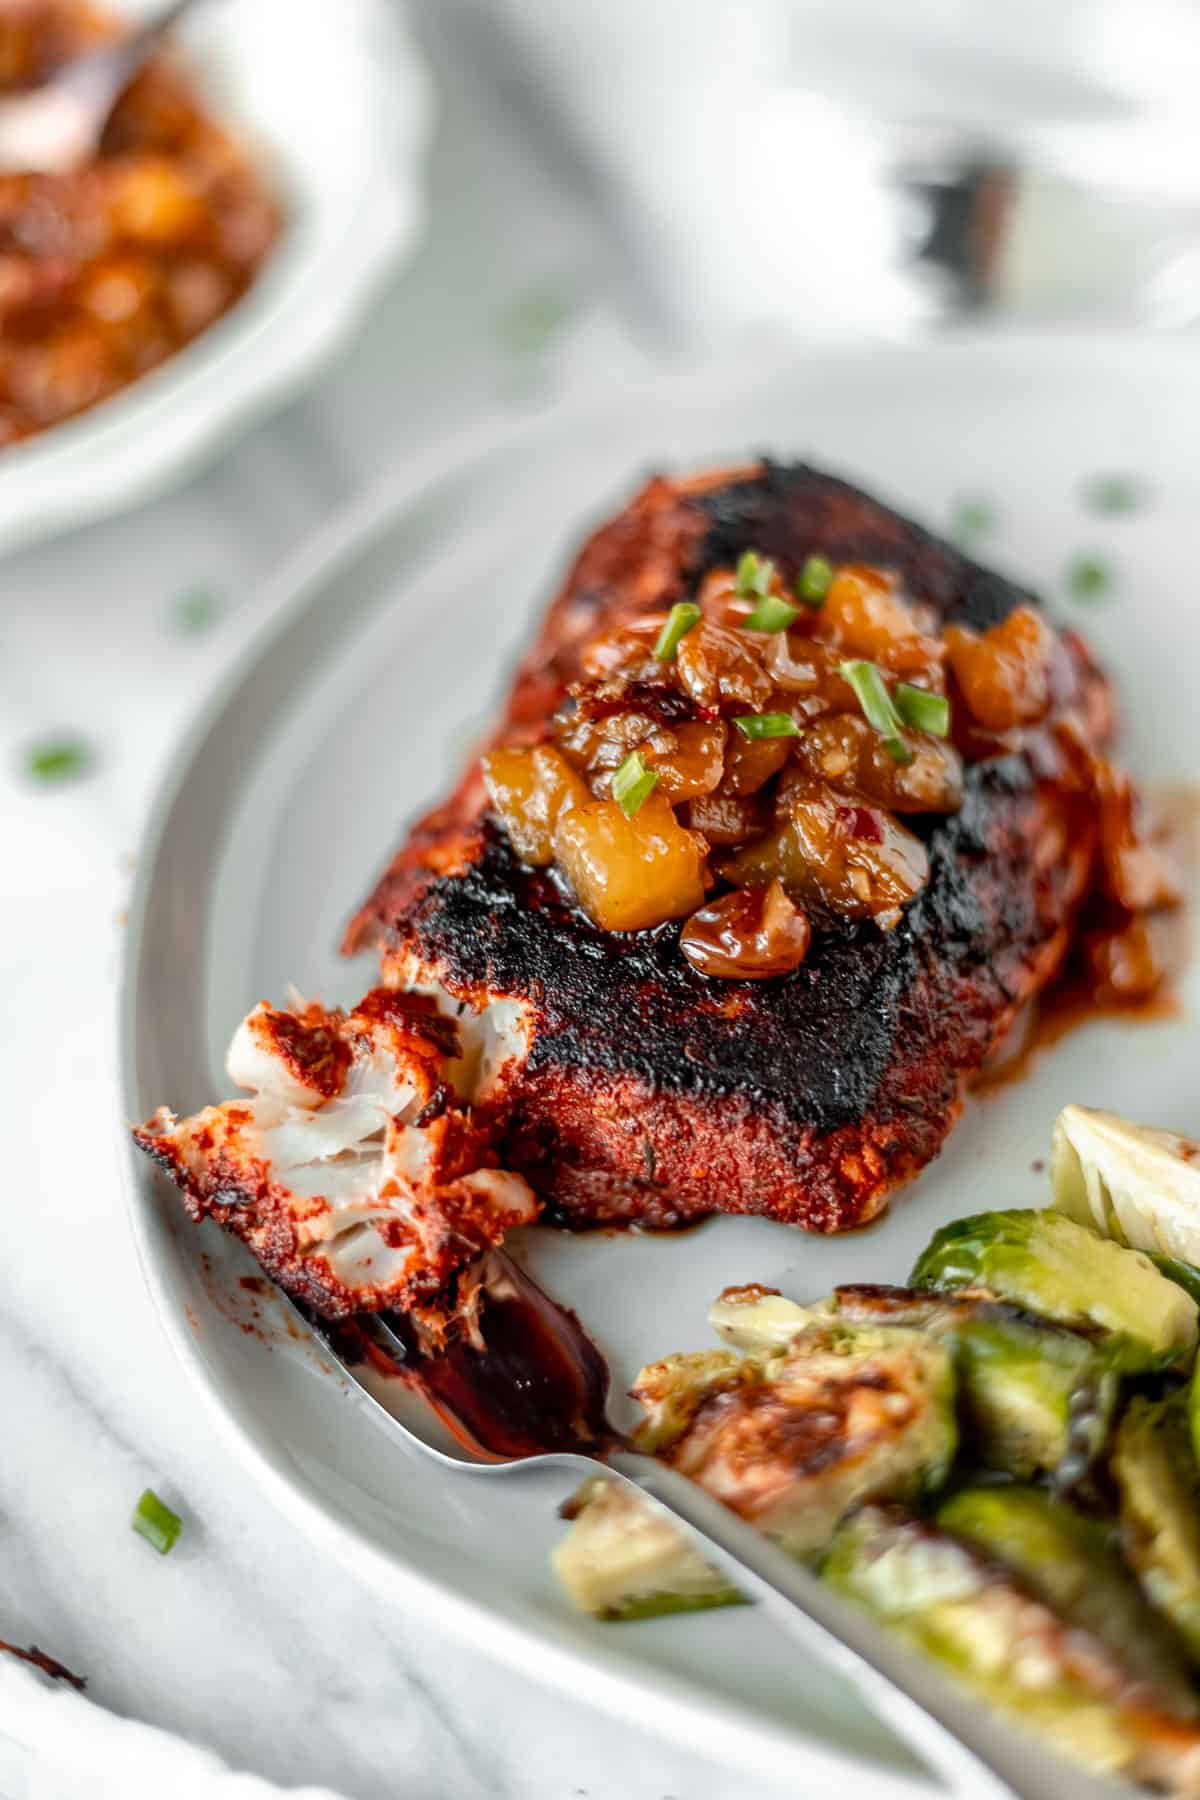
[1088, 577]
[156, 1522]
[633, 783]
[754, 575]
[812, 583]
[973, 518]
[531, 319]
[771, 614]
[58, 759]
[682, 616]
[922, 710]
[877, 705]
[1114, 494]
[196, 611]
[767, 725]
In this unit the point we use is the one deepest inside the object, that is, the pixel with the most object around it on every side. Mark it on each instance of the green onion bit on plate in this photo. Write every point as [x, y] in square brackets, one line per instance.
[155, 1521]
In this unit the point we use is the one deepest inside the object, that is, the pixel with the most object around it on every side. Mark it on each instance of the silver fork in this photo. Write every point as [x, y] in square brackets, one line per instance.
[976, 1751]
[56, 127]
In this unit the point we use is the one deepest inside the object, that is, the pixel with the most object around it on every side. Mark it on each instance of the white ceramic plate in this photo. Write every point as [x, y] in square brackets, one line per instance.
[337, 107]
[378, 656]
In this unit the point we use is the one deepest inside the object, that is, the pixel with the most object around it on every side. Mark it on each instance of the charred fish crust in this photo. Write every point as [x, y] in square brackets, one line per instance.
[628, 1005]
[809, 1097]
[971, 855]
[790, 509]
[811, 1049]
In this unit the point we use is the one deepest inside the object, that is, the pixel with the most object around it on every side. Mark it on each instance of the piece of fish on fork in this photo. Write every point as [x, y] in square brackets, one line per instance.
[355, 1170]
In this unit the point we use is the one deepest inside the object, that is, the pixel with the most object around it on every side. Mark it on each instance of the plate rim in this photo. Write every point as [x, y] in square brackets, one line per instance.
[669, 1705]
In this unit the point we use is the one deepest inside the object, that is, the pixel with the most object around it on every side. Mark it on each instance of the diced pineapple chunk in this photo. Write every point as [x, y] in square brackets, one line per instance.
[631, 873]
[532, 790]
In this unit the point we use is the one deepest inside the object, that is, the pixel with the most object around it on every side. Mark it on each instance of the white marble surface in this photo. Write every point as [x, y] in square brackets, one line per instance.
[243, 1639]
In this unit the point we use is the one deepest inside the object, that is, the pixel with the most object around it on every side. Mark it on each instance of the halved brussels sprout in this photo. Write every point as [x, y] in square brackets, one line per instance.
[1159, 1486]
[1050, 1264]
[621, 1559]
[1034, 1397]
[794, 1438]
[1012, 1648]
[1072, 1564]
[1136, 1185]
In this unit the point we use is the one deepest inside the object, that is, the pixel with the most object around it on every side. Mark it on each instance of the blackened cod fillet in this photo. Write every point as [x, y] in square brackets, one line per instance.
[639, 1090]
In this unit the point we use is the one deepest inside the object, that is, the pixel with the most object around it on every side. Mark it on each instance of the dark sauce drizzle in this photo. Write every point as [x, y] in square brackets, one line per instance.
[525, 1381]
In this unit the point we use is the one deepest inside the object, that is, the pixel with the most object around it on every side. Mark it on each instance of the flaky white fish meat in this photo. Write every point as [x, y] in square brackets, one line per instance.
[355, 1171]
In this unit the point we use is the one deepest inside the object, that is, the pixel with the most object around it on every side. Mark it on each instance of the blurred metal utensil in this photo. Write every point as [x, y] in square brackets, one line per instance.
[56, 127]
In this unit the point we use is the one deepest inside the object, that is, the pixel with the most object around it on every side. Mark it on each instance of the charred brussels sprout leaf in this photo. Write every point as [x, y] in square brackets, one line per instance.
[1049, 1264]
[673, 1390]
[758, 1318]
[793, 1438]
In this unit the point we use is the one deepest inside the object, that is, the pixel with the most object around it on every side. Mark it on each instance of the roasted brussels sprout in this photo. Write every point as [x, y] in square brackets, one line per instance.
[672, 1391]
[1138, 1186]
[956, 1601]
[793, 1439]
[1159, 1485]
[1049, 1264]
[833, 1427]
[1034, 1398]
[1072, 1563]
[621, 1559]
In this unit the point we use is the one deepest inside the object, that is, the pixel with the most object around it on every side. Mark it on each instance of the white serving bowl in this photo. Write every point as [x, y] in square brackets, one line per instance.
[335, 104]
